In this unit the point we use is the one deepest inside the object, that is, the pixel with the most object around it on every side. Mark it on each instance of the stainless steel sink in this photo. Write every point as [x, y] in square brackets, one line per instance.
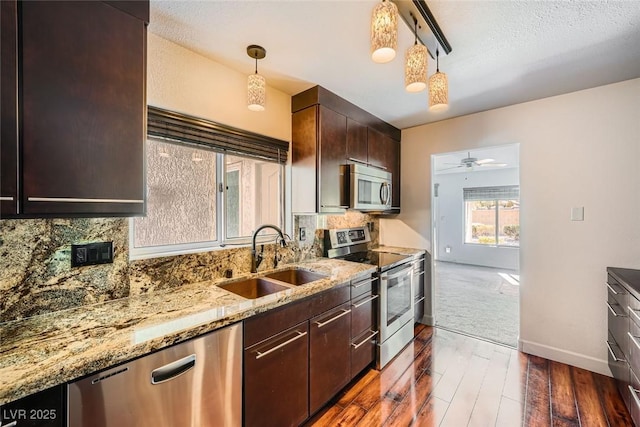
[253, 288]
[295, 276]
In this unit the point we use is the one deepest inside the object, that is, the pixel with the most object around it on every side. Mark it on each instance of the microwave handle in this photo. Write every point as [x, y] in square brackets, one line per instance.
[384, 193]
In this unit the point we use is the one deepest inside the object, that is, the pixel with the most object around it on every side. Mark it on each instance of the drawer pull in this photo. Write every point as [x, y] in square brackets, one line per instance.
[80, 200]
[173, 369]
[613, 353]
[635, 314]
[361, 284]
[615, 291]
[418, 300]
[279, 346]
[6, 199]
[615, 313]
[634, 394]
[321, 324]
[364, 302]
[634, 340]
[373, 334]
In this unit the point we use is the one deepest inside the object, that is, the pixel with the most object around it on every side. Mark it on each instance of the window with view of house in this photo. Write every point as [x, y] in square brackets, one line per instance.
[202, 195]
[492, 215]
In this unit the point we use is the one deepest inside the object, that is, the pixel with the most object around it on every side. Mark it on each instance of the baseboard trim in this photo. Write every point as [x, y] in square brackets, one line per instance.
[568, 357]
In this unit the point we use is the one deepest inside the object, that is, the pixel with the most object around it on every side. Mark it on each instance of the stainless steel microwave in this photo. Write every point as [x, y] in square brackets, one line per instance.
[369, 188]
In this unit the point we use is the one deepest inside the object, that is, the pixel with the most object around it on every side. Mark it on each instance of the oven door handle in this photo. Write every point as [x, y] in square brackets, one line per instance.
[407, 271]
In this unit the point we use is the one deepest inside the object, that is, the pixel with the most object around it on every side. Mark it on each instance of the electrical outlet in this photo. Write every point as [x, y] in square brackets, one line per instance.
[91, 254]
[448, 249]
[302, 234]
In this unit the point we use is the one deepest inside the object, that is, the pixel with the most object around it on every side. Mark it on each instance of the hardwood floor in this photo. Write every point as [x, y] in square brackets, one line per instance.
[447, 379]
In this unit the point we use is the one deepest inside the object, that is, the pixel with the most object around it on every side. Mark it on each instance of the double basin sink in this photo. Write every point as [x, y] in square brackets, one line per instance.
[271, 283]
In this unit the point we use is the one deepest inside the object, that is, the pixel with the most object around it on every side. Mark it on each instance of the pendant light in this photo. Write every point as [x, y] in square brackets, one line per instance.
[384, 32]
[415, 71]
[438, 88]
[256, 84]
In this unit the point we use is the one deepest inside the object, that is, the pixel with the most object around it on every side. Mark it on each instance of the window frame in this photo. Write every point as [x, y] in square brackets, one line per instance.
[222, 241]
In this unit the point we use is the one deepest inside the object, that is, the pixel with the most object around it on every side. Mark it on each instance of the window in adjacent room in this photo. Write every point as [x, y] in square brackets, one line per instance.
[492, 215]
[204, 194]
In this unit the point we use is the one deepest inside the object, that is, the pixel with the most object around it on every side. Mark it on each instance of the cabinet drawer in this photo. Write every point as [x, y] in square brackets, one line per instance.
[263, 326]
[633, 309]
[359, 287]
[618, 319]
[363, 311]
[276, 381]
[634, 347]
[418, 310]
[619, 368]
[363, 351]
[616, 291]
[634, 398]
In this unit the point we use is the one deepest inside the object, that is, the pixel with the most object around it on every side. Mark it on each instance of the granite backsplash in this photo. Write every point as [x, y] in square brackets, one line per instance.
[35, 262]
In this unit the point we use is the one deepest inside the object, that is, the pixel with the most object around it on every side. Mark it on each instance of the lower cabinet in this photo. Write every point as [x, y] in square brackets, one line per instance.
[43, 409]
[418, 281]
[276, 379]
[623, 338]
[329, 355]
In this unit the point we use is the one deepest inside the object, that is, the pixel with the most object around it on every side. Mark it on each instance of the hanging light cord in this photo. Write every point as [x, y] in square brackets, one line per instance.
[256, 57]
[437, 61]
[415, 29]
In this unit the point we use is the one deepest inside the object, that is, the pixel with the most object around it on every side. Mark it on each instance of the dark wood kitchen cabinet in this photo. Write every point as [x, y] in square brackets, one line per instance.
[327, 133]
[76, 145]
[46, 408]
[364, 306]
[319, 137]
[329, 355]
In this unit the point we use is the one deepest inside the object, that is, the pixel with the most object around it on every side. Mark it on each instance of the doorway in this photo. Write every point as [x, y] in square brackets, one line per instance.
[476, 242]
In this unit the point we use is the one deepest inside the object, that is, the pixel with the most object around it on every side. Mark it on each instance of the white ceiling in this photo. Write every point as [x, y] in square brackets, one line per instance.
[508, 154]
[504, 52]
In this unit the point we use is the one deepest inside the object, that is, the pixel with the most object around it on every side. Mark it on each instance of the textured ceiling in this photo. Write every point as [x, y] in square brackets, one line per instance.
[504, 52]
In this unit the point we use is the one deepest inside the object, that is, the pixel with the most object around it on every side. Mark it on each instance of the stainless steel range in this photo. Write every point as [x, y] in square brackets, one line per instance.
[395, 316]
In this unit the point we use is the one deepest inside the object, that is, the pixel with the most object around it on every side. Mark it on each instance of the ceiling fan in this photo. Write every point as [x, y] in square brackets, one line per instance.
[470, 163]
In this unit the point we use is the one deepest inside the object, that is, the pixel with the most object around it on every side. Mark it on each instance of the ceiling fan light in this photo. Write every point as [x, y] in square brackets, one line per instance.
[415, 71]
[438, 92]
[256, 92]
[384, 32]
[483, 161]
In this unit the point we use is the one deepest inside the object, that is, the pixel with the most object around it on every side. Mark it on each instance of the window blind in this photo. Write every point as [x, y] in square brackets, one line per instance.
[180, 127]
[507, 192]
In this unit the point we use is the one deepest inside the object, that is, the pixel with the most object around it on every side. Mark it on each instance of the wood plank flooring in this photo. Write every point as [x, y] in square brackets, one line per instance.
[447, 379]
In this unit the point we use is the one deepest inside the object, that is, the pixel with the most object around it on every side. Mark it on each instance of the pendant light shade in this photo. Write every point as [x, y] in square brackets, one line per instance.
[256, 84]
[438, 89]
[415, 70]
[384, 32]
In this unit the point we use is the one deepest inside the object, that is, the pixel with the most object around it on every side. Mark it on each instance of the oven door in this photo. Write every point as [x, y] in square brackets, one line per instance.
[396, 299]
[369, 192]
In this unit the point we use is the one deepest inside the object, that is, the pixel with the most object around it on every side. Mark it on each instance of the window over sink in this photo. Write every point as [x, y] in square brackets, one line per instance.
[204, 195]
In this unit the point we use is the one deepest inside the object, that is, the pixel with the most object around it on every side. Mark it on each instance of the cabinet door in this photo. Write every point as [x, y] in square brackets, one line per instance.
[43, 409]
[331, 156]
[356, 142]
[83, 108]
[384, 152]
[329, 355]
[8, 109]
[276, 380]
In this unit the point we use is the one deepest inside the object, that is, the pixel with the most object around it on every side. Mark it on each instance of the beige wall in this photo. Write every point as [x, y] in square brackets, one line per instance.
[181, 80]
[578, 149]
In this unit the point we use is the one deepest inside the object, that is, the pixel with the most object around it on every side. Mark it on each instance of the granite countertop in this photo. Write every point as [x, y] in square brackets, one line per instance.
[628, 277]
[400, 251]
[43, 351]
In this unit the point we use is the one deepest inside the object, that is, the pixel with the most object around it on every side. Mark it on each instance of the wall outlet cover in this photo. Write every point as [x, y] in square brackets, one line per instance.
[577, 214]
[302, 234]
[91, 254]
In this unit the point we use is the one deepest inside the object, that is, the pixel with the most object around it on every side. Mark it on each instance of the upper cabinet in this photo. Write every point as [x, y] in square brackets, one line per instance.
[329, 132]
[73, 108]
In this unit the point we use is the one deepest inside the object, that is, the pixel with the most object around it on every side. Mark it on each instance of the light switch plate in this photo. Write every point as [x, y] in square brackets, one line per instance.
[302, 234]
[577, 214]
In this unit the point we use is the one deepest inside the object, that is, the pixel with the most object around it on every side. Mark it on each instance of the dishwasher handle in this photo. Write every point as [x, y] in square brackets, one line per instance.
[173, 369]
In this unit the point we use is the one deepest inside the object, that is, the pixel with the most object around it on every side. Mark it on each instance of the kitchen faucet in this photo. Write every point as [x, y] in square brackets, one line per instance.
[257, 259]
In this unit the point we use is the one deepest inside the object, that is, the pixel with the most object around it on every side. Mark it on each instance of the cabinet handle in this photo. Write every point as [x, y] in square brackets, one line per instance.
[11, 424]
[634, 340]
[614, 291]
[6, 199]
[74, 200]
[358, 161]
[361, 284]
[613, 353]
[364, 302]
[373, 334]
[321, 324]
[416, 301]
[634, 394]
[173, 369]
[376, 166]
[279, 346]
[635, 313]
[615, 313]
[335, 206]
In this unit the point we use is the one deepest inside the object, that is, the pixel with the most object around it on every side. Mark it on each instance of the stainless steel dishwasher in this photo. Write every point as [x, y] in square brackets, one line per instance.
[197, 383]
